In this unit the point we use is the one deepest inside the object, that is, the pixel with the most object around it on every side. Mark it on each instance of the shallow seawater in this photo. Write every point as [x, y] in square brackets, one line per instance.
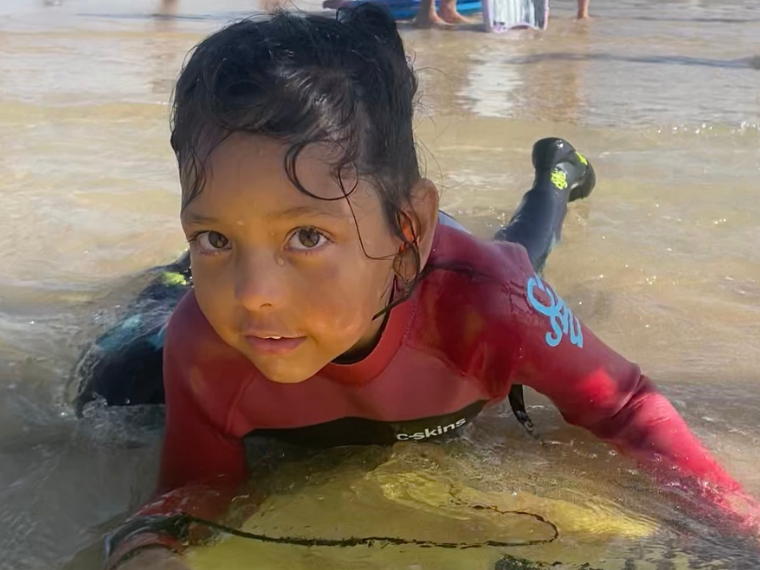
[661, 262]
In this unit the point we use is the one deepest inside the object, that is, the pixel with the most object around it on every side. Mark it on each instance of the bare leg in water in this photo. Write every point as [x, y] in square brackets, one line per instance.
[583, 10]
[168, 7]
[446, 16]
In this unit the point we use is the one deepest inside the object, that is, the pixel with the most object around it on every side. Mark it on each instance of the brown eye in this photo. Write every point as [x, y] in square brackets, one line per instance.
[212, 242]
[217, 240]
[307, 238]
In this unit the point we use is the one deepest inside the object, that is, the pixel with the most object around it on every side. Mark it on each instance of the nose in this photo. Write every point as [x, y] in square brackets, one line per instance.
[260, 281]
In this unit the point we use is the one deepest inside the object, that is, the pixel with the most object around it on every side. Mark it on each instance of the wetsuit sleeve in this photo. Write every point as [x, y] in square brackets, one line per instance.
[201, 466]
[196, 448]
[597, 389]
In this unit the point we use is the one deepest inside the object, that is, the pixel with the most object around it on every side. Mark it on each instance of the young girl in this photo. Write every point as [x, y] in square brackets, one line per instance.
[331, 304]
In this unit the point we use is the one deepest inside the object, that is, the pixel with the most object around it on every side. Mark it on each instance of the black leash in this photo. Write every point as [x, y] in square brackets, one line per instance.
[185, 519]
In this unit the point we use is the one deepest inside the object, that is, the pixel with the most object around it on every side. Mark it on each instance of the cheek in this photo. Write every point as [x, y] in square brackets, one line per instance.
[214, 292]
[345, 298]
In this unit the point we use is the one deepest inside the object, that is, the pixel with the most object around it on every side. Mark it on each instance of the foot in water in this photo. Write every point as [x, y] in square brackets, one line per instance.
[446, 17]
[567, 172]
[562, 175]
[450, 15]
[567, 168]
[426, 21]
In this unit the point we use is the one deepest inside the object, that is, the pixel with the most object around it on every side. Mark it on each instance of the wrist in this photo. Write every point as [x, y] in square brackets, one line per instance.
[138, 544]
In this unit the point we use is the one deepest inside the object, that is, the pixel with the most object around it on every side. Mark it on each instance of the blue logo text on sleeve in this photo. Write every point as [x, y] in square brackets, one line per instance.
[561, 318]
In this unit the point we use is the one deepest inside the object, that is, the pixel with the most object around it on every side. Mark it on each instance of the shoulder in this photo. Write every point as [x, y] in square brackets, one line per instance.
[471, 299]
[464, 268]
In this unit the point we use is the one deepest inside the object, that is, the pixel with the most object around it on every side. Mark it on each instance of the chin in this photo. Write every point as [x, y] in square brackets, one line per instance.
[285, 378]
[284, 372]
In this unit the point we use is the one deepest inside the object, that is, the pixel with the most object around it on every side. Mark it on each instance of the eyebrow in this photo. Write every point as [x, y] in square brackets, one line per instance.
[199, 219]
[299, 211]
[295, 212]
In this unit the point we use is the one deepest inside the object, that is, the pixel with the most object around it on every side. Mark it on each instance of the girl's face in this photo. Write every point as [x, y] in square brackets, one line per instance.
[281, 276]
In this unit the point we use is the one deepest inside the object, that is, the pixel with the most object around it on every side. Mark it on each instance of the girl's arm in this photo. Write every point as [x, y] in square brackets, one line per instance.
[596, 388]
[201, 466]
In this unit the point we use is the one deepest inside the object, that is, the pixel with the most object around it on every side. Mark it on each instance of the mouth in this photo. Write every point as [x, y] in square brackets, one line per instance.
[274, 345]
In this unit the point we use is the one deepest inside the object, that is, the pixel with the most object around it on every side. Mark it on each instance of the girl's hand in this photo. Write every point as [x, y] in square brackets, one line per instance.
[154, 559]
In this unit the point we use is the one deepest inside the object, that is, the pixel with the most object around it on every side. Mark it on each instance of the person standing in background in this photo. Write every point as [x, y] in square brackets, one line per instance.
[448, 15]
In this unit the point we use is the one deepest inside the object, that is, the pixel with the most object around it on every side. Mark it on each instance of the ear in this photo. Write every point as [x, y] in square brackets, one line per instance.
[425, 204]
[422, 213]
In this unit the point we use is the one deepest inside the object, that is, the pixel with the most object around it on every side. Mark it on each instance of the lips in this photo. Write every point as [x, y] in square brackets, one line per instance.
[273, 345]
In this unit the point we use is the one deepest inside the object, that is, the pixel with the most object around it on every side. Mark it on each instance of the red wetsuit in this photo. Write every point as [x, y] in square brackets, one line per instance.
[478, 322]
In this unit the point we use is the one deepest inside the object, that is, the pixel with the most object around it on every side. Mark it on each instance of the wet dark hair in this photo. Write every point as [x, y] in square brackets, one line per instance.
[303, 80]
